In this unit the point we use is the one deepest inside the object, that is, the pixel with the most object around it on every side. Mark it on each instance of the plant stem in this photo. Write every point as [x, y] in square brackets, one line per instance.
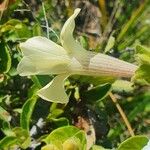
[102, 5]
[46, 20]
[123, 115]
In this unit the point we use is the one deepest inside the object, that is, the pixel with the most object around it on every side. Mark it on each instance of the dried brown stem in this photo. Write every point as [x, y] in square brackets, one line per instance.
[123, 115]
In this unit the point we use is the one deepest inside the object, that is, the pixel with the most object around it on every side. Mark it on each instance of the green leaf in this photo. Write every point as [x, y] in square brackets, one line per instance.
[37, 31]
[4, 115]
[20, 138]
[122, 86]
[110, 44]
[59, 136]
[6, 129]
[94, 80]
[141, 104]
[72, 143]
[7, 142]
[49, 147]
[27, 112]
[134, 17]
[142, 74]
[140, 49]
[14, 30]
[60, 122]
[5, 59]
[143, 54]
[41, 80]
[134, 143]
[23, 137]
[32, 91]
[97, 147]
[55, 113]
[97, 93]
[84, 42]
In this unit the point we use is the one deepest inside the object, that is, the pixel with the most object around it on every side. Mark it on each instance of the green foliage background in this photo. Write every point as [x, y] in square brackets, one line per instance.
[123, 26]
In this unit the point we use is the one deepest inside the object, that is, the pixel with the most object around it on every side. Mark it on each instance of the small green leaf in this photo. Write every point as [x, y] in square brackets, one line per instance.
[6, 129]
[97, 93]
[62, 134]
[134, 17]
[97, 147]
[23, 137]
[20, 138]
[37, 30]
[14, 30]
[143, 54]
[94, 80]
[143, 102]
[49, 147]
[41, 80]
[72, 144]
[55, 113]
[140, 49]
[4, 115]
[134, 143]
[84, 42]
[7, 142]
[142, 74]
[122, 86]
[5, 59]
[60, 122]
[110, 44]
[27, 112]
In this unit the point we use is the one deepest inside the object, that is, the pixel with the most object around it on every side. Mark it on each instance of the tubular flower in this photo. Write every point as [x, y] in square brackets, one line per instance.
[42, 56]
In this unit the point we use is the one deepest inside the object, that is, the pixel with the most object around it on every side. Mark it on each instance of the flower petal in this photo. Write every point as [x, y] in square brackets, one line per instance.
[89, 63]
[41, 45]
[54, 91]
[66, 35]
[42, 64]
[42, 56]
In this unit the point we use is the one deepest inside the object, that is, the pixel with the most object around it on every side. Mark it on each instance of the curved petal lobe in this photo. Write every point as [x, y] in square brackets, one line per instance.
[54, 91]
[42, 64]
[66, 35]
[41, 45]
[42, 56]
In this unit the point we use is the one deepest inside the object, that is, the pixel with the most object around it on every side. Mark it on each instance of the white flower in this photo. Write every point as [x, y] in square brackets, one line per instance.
[43, 56]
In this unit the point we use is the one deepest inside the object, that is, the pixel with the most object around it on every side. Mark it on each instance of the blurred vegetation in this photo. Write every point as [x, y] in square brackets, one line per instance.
[113, 27]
